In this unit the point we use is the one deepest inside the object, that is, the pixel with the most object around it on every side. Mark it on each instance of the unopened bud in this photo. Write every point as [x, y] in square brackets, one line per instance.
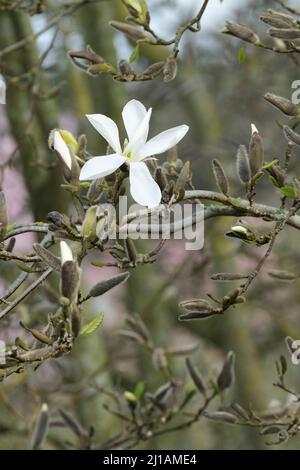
[286, 34]
[256, 151]
[101, 287]
[242, 164]
[278, 20]
[220, 177]
[89, 223]
[284, 105]
[70, 280]
[41, 428]
[131, 31]
[291, 135]
[154, 69]
[221, 416]
[170, 69]
[226, 376]
[242, 32]
[126, 70]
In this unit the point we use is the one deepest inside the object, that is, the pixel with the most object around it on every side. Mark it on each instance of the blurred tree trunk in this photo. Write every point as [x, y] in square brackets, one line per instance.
[30, 118]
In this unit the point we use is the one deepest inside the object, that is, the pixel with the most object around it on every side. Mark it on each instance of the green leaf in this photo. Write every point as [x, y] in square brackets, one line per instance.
[139, 390]
[241, 55]
[288, 191]
[135, 53]
[92, 325]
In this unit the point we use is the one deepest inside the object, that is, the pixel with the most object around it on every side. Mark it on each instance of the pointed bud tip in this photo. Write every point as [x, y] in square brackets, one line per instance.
[254, 129]
[65, 252]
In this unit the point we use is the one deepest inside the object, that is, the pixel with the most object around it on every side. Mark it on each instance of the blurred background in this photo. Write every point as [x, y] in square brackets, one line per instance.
[218, 97]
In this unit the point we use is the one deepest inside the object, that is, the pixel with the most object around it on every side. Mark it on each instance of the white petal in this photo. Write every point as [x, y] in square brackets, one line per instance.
[65, 252]
[163, 141]
[140, 136]
[2, 91]
[254, 129]
[143, 188]
[97, 167]
[133, 114]
[61, 147]
[107, 128]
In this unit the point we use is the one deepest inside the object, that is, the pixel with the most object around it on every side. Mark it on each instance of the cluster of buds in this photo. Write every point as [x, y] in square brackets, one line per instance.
[138, 10]
[284, 30]
[173, 176]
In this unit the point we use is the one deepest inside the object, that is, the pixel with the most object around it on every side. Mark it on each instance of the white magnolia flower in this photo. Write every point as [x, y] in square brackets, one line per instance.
[2, 91]
[143, 188]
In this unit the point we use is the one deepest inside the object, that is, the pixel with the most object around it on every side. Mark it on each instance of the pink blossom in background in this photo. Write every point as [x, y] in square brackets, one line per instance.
[12, 183]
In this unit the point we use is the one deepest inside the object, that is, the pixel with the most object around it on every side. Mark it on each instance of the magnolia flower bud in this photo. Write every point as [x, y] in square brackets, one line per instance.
[131, 31]
[220, 177]
[134, 7]
[170, 69]
[283, 17]
[243, 232]
[104, 286]
[126, 70]
[287, 33]
[278, 20]
[242, 164]
[283, 104]
[226, 376]
[56, 142]
[138, 9]
[66, 145]
[291, 135]
[196, 377]
[160, 178]
[70, 280]
[89, 55]
[154, 69]
[256, 151]
[89, 223]
[48, 257]
[242, 32]
[41, 428]
[221, 416]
